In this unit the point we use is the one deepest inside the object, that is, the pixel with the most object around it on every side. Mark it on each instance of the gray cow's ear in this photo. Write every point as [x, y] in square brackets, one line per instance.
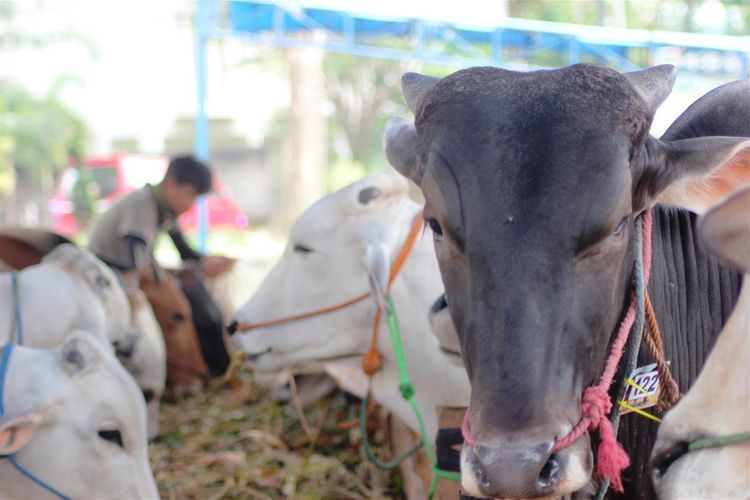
[725, 229]
[403, 148]
[415, 88]
[691, 173]
[654, 84]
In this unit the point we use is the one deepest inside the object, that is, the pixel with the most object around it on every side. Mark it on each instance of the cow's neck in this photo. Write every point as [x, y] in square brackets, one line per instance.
[693, 296]
[436, 381]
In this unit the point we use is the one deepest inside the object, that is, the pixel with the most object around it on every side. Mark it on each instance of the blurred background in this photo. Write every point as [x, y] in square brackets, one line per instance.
[287, 99]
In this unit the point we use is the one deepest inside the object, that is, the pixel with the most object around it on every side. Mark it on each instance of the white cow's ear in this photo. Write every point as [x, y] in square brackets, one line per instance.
[17, 431]
[66, 256]
[378, 266]
[78, 356]
[725, 229]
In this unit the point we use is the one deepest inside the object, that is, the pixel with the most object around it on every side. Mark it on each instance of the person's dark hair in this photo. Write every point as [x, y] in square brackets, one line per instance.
[189, 170]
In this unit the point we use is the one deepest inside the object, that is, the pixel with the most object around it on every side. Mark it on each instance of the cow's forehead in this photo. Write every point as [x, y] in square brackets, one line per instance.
[544, 135]
[500, 111]
[39, 375]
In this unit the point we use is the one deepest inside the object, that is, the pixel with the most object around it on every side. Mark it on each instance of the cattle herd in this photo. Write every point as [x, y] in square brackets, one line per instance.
[570, 253]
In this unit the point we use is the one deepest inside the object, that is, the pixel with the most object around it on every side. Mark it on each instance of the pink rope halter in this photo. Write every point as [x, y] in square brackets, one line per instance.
[595, 404]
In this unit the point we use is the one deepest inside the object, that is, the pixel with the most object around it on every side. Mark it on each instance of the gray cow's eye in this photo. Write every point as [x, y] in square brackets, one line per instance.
[302, 248]
[437, 231]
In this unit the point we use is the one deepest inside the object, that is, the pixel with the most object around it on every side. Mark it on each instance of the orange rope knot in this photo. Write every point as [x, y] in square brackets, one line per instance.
[371, 362]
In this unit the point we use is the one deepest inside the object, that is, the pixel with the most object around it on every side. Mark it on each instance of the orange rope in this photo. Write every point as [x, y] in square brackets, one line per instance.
[372, 360]
[669, 390]
[243, 327]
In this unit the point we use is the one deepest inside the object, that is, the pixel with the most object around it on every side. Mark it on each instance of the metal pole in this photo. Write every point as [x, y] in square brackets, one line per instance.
[201, 120]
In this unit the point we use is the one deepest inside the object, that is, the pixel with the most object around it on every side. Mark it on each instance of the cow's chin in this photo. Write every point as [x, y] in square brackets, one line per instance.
[577, 478]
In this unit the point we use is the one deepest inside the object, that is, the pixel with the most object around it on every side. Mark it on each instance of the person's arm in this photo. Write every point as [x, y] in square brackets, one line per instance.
[186, 252]
[136, 252]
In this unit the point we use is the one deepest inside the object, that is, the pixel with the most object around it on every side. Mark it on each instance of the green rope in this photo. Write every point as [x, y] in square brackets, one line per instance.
[368, 447]
[716, 442]
[407, 392]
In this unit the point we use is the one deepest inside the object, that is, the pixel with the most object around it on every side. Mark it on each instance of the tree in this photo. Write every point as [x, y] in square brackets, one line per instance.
[305, 152]
[41, 136]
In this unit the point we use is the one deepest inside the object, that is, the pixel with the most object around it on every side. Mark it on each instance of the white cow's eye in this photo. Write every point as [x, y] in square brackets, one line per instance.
[437, 231]
[302, 248]
[111, 435]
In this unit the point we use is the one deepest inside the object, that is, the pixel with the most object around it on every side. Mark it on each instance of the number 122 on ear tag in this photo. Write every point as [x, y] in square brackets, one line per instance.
[647, 379]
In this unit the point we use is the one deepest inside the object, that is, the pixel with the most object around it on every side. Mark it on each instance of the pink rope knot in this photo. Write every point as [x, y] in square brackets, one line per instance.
[611, 457]
[595, 405]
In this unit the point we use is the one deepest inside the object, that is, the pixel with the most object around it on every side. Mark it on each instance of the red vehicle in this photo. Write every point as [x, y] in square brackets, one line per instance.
[114, 176]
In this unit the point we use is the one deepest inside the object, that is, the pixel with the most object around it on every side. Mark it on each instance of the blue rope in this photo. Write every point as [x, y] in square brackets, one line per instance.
[17, 305]
[4, 362]
[38, 481]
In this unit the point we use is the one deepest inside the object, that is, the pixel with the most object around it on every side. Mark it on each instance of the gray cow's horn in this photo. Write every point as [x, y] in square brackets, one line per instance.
[403, 148]
[654, 84]
[415, 87]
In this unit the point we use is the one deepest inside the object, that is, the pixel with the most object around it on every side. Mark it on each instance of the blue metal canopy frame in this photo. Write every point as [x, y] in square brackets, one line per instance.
[518, 44]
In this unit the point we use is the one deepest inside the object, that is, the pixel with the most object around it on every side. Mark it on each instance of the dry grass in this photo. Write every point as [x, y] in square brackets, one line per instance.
[233, 441]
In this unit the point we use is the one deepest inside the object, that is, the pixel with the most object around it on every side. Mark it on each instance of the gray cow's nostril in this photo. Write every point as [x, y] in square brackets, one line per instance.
[550, 475]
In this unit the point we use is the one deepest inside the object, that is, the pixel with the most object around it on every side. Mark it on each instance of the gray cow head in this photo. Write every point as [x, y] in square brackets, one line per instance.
[532, 182]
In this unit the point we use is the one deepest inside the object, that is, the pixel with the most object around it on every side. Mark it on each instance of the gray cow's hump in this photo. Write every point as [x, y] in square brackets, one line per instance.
[576, 91]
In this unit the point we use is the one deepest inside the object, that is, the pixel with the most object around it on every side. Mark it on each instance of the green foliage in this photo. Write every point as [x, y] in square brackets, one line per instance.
[44, 132]
[669, 15]
[343, 172]
[365, 92]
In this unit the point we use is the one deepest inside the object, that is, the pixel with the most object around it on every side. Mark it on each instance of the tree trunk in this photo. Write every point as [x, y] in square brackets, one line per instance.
[306, 149]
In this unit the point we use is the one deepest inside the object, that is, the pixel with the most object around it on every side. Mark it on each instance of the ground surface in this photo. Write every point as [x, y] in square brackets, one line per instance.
[234, 442]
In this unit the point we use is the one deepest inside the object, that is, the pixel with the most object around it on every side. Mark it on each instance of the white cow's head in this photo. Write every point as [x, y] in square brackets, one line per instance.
[75, 419]
[102, 284]
[718, 404]
[330, 250]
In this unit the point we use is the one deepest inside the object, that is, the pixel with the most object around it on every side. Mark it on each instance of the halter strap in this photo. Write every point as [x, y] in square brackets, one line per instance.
[4, 362]
[372, 360]
[395, 269]
[18, 326]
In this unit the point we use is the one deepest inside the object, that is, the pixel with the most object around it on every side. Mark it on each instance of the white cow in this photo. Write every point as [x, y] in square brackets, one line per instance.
[332, 248]
[72, 418]
[70, 289]
[146, 358]
[718, 404]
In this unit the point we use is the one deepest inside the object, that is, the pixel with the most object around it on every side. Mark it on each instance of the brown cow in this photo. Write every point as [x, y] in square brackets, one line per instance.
[186, 367]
